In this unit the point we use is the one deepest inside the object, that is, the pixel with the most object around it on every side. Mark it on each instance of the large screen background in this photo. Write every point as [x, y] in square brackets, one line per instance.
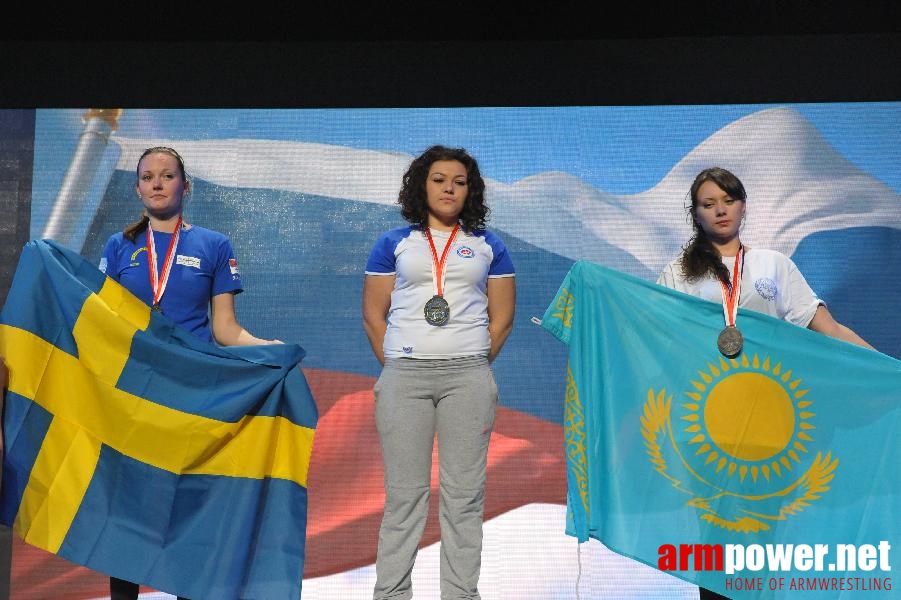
[303, 193]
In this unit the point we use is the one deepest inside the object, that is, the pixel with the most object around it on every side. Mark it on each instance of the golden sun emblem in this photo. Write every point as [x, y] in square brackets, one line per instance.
[740, 443]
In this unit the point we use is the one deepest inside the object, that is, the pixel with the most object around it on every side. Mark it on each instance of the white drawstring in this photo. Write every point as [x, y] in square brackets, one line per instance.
[579, 572]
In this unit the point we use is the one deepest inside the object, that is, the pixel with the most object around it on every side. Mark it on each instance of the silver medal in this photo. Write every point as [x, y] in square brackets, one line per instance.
[437, 311]
[730, 341]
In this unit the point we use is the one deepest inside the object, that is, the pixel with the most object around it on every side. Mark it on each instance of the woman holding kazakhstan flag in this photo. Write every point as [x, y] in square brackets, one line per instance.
[717, 266]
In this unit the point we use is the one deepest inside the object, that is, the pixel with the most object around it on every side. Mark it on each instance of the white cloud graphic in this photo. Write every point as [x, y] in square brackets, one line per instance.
[797, 184]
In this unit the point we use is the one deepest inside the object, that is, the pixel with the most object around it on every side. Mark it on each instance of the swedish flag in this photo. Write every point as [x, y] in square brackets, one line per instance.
[668, 442]
[136, 449]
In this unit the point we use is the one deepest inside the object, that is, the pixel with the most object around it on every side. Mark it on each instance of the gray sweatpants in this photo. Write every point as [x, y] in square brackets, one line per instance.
[414, 399]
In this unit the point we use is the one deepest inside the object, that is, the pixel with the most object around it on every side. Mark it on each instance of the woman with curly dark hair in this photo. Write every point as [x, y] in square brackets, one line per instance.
[438, 304]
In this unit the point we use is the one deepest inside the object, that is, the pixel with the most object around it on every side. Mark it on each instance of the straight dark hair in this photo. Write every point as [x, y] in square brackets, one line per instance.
[699, 257]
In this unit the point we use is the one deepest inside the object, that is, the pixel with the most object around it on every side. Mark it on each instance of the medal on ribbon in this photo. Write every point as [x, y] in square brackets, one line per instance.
[730, 340]
[437, 310]
[158, 283]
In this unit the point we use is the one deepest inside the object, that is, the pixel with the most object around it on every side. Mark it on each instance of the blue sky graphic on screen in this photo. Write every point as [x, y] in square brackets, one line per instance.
[304, 193]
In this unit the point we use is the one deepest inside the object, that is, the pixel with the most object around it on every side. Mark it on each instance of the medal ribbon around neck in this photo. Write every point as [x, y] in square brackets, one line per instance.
[158, 284]
[439, 264]
[732, 293]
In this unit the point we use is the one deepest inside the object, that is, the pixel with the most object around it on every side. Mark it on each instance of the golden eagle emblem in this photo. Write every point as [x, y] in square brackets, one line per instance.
[739, 443]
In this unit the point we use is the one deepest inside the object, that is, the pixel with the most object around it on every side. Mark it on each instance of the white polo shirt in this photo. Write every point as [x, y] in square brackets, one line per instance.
[472, 259]
[770, 283]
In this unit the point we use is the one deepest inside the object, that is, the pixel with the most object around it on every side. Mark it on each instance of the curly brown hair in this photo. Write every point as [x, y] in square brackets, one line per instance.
[414, 203]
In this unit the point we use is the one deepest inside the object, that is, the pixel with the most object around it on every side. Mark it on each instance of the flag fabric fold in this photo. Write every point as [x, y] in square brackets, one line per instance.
[138, 450]
[671, 445]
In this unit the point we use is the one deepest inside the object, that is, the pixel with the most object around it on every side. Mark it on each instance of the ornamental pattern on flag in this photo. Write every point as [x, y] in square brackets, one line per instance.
[793, 441]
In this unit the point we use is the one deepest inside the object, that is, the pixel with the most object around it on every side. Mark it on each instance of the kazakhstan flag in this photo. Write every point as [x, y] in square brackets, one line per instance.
[671, 445]
[136, 449]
